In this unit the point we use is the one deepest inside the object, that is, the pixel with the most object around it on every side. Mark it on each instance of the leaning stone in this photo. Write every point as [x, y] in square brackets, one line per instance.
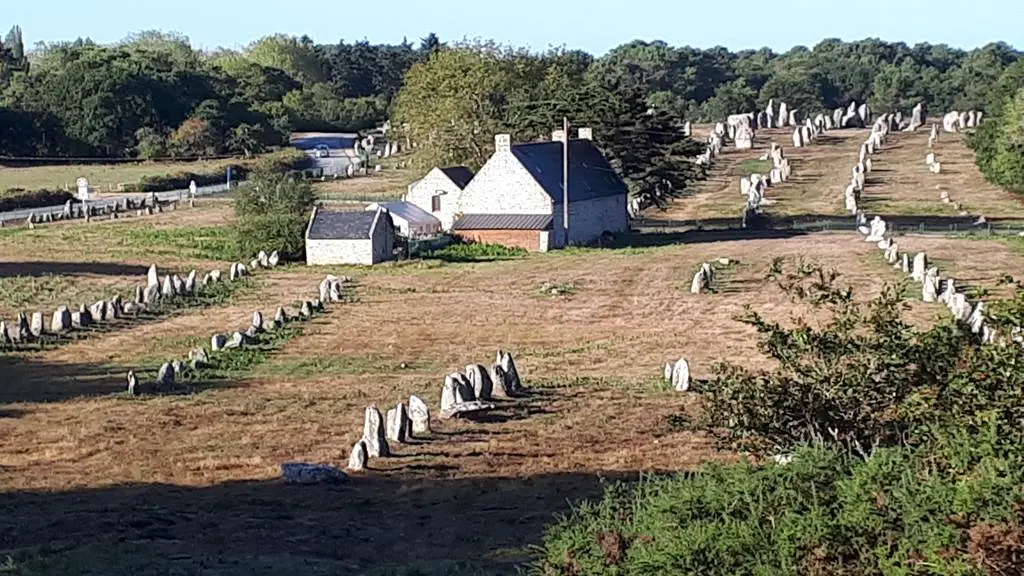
[374, 434]
[61, 321]
[419, 413]
[466, 408]
[133, 383]
[218, 342]
[398, 424]
[358, 457]
[481, 381]
[302, 473]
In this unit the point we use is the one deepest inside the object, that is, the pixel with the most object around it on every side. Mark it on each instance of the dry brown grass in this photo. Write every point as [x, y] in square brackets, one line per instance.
[190, 482]
[899, 185]
[390, 184]
[104, 177]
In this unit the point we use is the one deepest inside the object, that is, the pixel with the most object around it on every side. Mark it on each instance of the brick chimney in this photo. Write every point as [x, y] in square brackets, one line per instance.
[558, 136]
[586, 134]
[502, 142]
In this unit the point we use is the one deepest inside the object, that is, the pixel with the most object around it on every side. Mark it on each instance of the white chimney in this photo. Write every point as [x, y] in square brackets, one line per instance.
[586, 134]
[558, 136]
[502, 142]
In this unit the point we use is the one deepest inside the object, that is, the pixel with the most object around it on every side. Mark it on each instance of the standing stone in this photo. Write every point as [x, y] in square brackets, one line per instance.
[783, 119]
[61, 321]
[167, 289]
[215, 276]
[681, 375]
[140, 295]
[463, 388]
[306, 310]
[273, 259]
[233, 273]
[263, 259]
[892, 254]
[199, 358]
[798, 138]
[237, 340]
[419, 413]
[115, 308]
[919, 269]
[905, 263]
[133, 383]
[254, 264]
[744, 138]
[165, 377]
[5, 335]
[23, 331]
[508, 364]
[280, 319]
[218, 342]
[151, 276]
[481, 381]
[929, 290]
[358, 457]
[448, 393]
[948, 293]
[190, 283]
[178, 285]
[257, 321]
[398, 424]
[373, 434]
[85, 318]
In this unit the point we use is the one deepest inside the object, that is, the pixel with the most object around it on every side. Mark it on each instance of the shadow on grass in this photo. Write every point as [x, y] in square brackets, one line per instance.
[374, 524]
[12, 269]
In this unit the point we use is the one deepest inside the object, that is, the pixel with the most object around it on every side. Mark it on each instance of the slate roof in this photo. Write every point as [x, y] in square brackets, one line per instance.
[590, 174]
[331, 225]
[460, 175]
[406, 211]
[503, 222]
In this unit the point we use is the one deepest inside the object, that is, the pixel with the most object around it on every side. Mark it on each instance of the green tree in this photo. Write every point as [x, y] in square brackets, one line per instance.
[272, 211]
[152, 143]
[287, 53]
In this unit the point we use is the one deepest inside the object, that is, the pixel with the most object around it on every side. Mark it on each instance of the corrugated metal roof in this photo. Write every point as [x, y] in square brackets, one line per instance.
[459, 175]
[330, 225]
[590, 174]
[406, 211]
[503, 222]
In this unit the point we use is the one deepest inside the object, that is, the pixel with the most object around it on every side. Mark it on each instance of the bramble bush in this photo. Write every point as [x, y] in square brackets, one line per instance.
[272, 211]
[907, 449]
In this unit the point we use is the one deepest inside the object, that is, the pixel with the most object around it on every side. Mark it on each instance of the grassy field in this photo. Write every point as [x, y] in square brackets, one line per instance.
[388, 185]
[96, 482]
[104, 177]
[899, 185]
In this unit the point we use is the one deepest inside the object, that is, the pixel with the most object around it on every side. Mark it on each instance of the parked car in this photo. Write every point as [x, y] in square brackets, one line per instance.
[322, 151]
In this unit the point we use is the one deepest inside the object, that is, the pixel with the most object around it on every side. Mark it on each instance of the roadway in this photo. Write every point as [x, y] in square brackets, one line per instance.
[111, 199]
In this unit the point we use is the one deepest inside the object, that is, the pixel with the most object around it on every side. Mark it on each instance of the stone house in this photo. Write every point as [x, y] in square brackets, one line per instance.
[516, 199]
[439, 193]
[354, 237]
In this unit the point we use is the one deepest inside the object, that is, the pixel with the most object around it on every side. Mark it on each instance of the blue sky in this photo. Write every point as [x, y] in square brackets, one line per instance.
[592, 25]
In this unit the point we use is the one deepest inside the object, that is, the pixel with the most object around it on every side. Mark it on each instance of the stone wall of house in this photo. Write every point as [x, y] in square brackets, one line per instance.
[591, 218]
[503, 186]
[527, 239]
[421, 194]
[325, 252]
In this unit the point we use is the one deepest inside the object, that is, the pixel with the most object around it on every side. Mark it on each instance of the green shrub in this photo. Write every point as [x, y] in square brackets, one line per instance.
[19, 198]
[282, 161]
[181, 180]
[475, 252]
[904, 511]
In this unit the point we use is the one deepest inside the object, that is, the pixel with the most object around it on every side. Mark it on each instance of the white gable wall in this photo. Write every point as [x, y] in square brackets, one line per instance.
[327, 252]
[421, 194]
[591, 218]
[504, 186]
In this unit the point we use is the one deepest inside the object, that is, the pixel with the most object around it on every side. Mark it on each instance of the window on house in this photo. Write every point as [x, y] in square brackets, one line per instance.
[435, 203]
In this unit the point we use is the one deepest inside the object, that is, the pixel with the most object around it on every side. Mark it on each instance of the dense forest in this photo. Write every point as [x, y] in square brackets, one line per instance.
[153, 95]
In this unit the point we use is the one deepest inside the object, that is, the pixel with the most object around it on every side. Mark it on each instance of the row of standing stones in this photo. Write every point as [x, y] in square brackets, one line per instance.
[462, 394]
[113, 209]
[331, 290]
[877, 231]
[148, 297]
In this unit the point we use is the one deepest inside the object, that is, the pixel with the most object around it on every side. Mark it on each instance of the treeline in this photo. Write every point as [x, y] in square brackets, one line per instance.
[999, 141]
[153, 95]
